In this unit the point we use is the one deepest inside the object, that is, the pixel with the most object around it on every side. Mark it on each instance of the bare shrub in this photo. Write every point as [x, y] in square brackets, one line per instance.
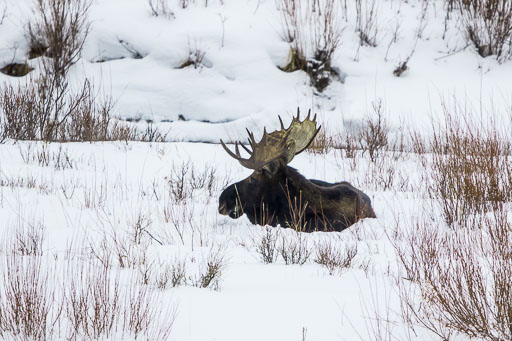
[29, 238]
[42, 298]
[95, 197]
[366, 22]
[92, 121]
[462, 277]
[3, 12]
[488, 25]
[470, 171]
[140, 225]
[30, 306]
[295, 249]
[47, 108]
[381, 320]
[142, 316]
[18, 120]
[161, 8]
[172, 275]
[456, 266]
[394, 37]
[150, 134]
[121, 247]
[210, 272]
[422, 19]
[312, 29]
[385, 149]
[185, 179]
[323, 143]
[180, 215]
[93, 305]
[334, 258]
[35, 112]
[60, 29]
[178, 181]
[349, 144]
[267, 245]
[208, 275]
[99, 306]
[60, 159]
[374, 134]
[203, 179]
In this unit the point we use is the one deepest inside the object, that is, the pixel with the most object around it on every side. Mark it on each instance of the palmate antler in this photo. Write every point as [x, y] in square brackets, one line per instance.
[284, 143]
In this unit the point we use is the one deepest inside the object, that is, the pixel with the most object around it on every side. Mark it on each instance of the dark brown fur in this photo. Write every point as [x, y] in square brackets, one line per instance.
[271, 194]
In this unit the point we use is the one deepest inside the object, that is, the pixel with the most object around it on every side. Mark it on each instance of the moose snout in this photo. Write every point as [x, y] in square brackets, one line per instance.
[222, 209]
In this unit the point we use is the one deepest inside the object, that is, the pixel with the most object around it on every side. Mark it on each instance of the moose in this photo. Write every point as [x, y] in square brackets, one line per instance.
[276, 193]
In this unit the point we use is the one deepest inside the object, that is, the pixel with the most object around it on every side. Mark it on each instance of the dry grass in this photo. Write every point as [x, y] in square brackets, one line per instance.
[324, 142]
[297, 212]
[30, 306]
[463, 277]
[381, 169]
[457, 264]
[470, 171]
[44, 297]
[30, 114]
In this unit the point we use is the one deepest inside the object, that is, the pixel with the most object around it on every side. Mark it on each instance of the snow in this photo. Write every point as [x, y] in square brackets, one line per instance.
[239, 86]
[254, 300]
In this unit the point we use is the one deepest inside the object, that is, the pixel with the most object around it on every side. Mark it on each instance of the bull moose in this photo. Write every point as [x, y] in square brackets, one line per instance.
[276, 193]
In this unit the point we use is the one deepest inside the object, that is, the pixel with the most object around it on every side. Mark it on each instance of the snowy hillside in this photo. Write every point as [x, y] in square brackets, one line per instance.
[136, 57]
[124, 240]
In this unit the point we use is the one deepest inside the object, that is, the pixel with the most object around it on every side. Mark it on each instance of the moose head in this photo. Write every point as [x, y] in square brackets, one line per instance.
[276, 193]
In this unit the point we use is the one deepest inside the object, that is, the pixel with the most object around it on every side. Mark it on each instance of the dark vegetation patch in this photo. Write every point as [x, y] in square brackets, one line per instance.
[16, 69]
[318, 68]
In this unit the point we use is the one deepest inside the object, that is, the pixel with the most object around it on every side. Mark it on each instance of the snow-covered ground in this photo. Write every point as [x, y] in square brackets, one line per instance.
[87, 195]
[104, 189]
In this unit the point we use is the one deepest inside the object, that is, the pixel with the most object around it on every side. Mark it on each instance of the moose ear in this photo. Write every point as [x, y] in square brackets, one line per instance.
[270, 168]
